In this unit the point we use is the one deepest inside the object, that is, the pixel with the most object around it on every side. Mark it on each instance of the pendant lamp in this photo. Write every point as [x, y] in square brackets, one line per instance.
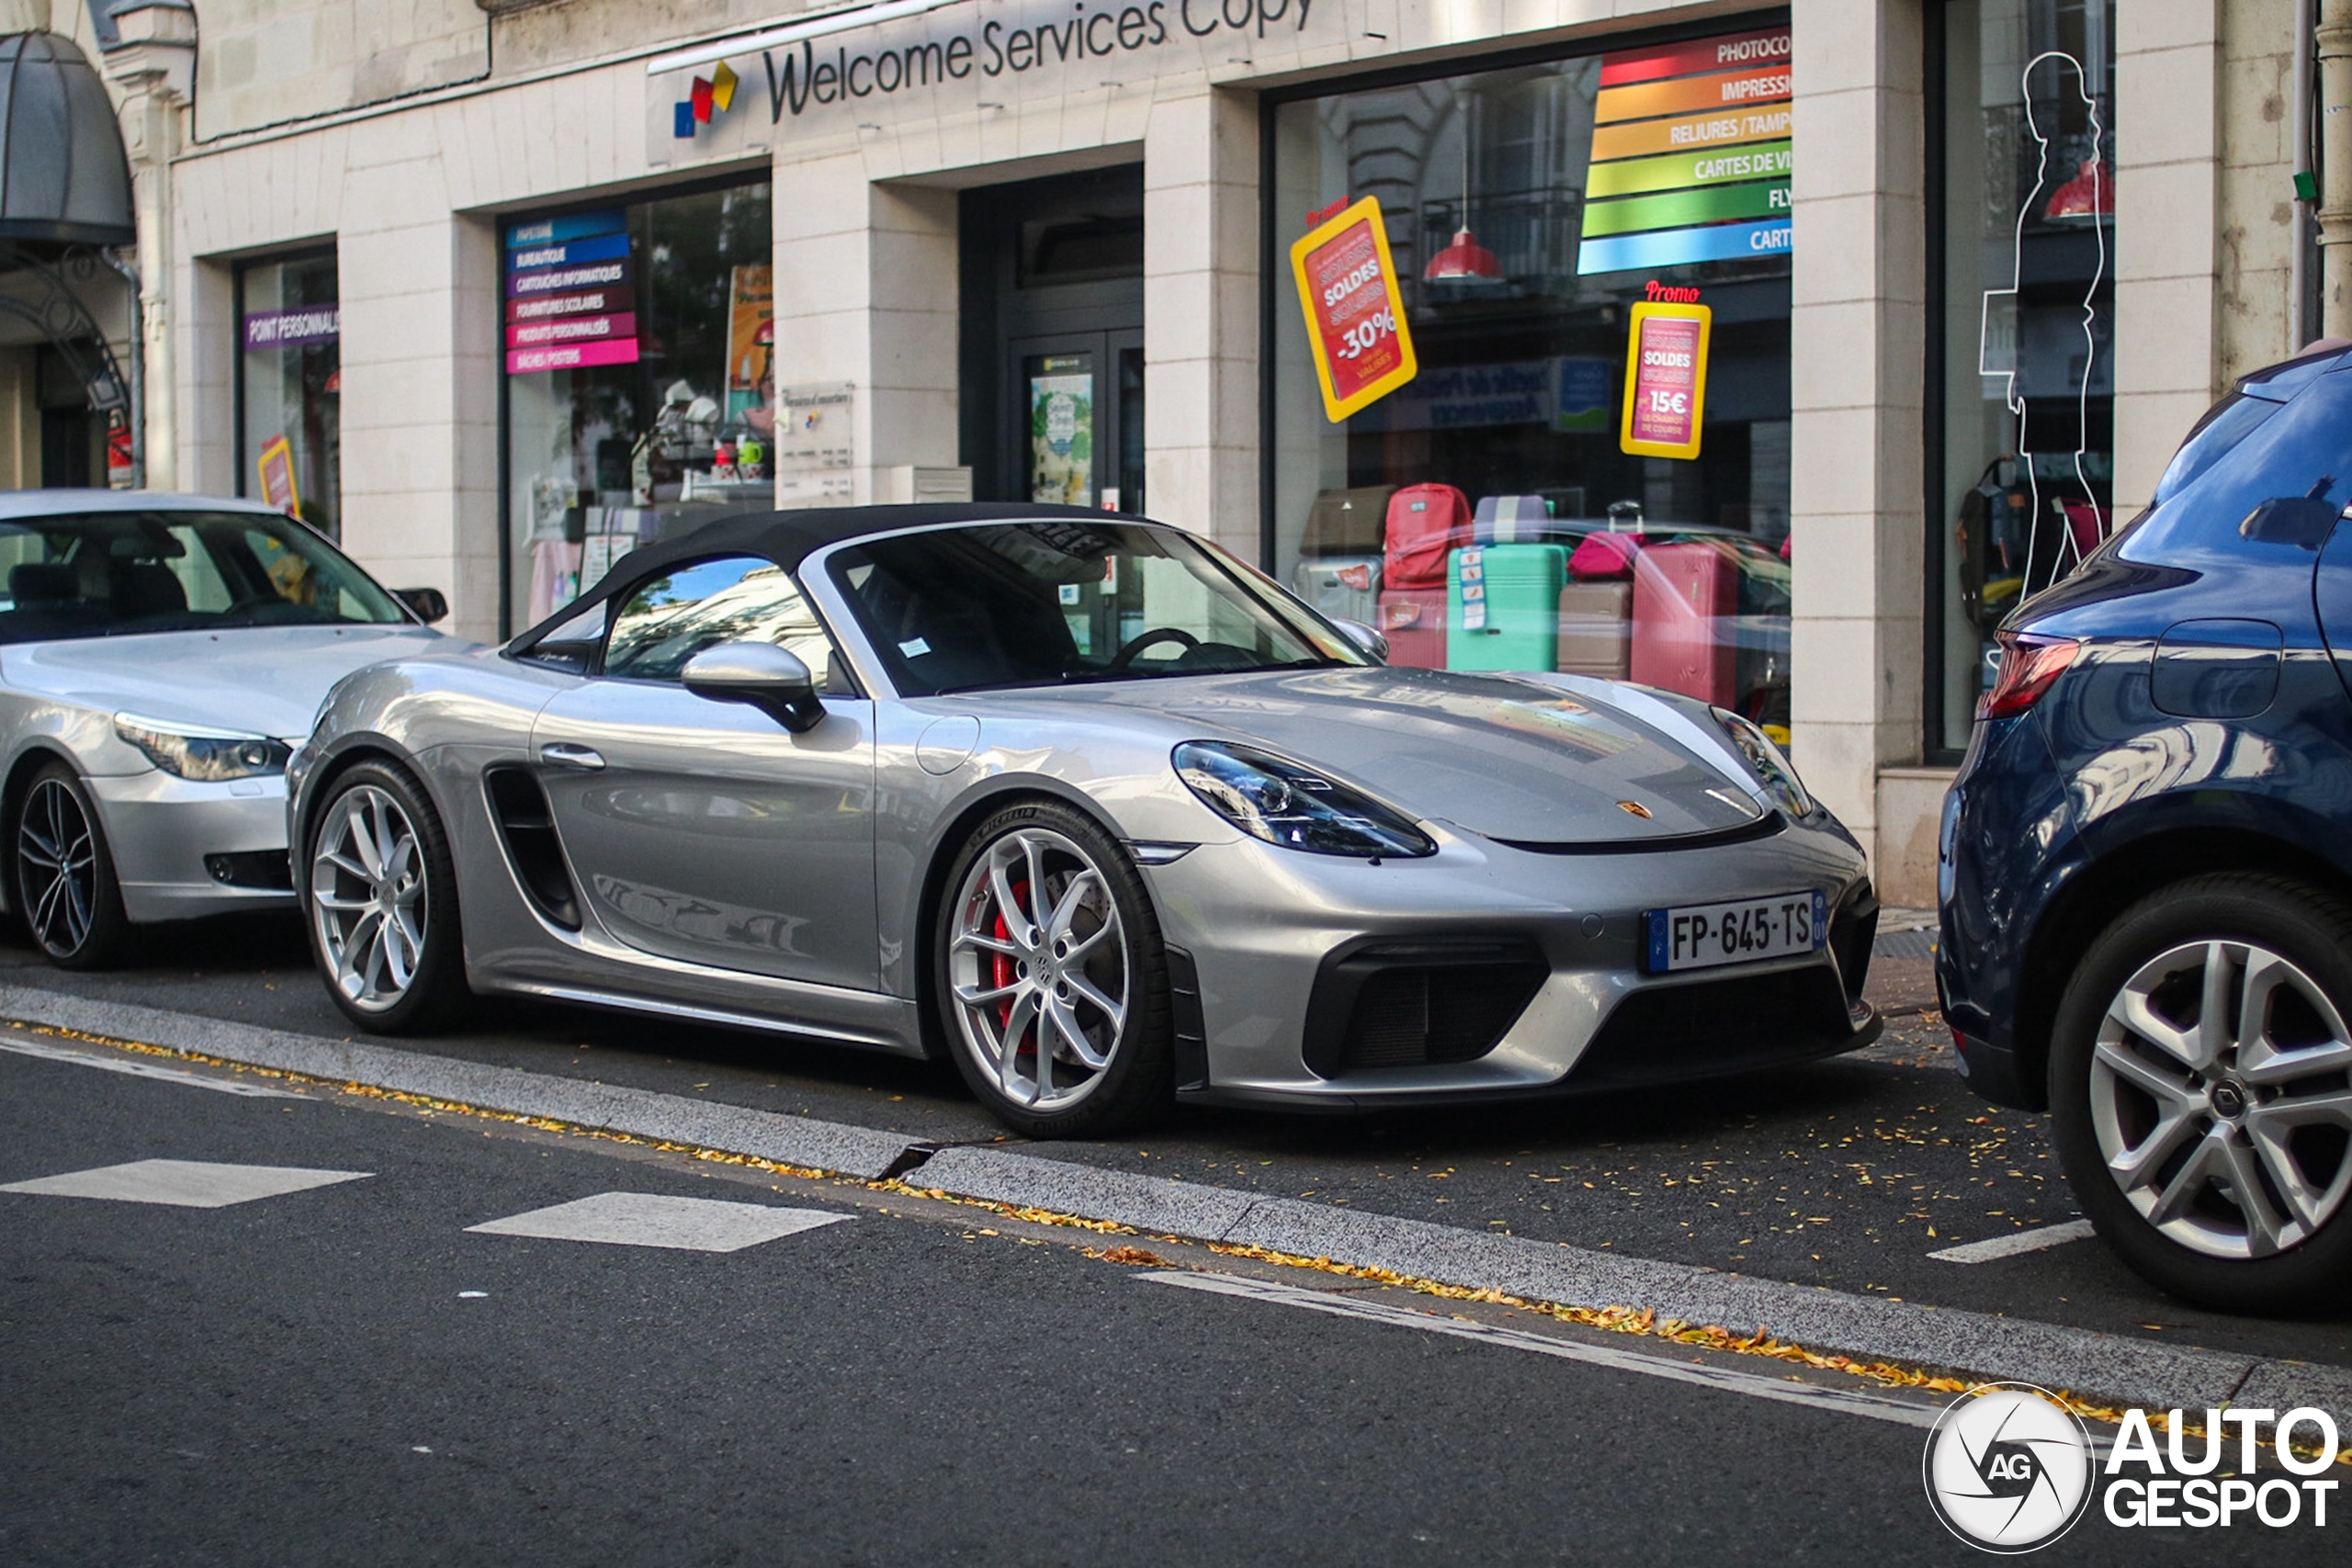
[1465, 260]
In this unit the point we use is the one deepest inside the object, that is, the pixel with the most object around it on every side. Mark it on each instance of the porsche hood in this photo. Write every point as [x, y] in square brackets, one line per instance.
[1505, 757]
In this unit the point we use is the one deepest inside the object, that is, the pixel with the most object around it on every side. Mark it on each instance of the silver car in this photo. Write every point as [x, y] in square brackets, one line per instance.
[1086, 804]
[160, 657]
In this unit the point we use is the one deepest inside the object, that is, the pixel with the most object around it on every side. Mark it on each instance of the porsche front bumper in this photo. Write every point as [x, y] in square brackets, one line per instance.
[1273, 950]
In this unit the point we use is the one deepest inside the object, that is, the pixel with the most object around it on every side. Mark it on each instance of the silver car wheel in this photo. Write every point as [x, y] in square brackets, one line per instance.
[369, 898]
[1038, 962]
[2218, 1095]
[58, 858]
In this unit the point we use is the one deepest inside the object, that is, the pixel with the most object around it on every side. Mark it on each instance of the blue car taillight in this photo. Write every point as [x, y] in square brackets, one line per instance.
[2029, 665]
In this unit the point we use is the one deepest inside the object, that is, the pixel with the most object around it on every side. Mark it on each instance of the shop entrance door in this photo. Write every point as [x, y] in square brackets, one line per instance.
[1052, 345]
[1077, 430]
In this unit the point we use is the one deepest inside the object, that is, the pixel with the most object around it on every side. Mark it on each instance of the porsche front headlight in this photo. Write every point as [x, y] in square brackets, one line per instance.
[1766, 761]
[1284, 803]
[206, 756]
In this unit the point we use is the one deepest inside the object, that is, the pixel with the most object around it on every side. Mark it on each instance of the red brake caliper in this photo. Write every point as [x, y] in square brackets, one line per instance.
[1001, 965]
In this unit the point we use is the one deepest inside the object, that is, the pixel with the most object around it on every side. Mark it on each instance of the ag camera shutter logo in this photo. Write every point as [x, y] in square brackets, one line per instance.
[2008, 1468]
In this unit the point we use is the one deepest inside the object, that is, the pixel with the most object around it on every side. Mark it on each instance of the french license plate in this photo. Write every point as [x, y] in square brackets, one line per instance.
[1699, 936]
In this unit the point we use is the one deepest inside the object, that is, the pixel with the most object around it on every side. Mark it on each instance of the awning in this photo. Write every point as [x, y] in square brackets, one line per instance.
[64, 178]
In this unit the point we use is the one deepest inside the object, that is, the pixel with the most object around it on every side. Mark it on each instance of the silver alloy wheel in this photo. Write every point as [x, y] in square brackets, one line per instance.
[58, 859]
[369, 898]
[1038, 962]
[2222, 1099]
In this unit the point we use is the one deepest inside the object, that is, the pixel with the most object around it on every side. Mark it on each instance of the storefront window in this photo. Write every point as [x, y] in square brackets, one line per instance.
[1582, 466]
[2022, 373]
[641, 382]
[289, 389]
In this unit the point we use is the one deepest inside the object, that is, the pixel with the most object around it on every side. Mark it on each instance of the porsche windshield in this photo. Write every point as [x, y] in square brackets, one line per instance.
[116, 573]
[1058, 603]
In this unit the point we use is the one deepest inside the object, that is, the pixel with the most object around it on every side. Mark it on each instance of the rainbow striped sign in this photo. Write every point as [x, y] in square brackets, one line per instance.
[1691, 154]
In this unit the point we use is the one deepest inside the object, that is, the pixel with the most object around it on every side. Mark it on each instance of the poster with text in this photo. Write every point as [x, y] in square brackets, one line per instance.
[276, 464]
[751, 345]
[1666, 379]
[1061, 438]
[1355, 311]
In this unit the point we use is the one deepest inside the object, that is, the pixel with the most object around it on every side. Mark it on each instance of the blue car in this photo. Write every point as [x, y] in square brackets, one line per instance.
[2145, 868]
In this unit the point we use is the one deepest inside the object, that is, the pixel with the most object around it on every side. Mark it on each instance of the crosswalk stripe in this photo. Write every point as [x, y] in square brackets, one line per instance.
[652, 1219]
[183, 1183]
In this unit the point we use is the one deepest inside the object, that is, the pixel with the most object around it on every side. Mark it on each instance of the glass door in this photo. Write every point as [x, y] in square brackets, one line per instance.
[1078, 432]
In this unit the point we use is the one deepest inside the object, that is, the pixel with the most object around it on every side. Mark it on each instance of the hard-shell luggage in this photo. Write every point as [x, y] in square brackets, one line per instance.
[1511, 520]
[1413, 620]
[1685, 597]
[1344, 586]
[1426, 524]
[1346, 522]
[1503, 608]
[1597, 630]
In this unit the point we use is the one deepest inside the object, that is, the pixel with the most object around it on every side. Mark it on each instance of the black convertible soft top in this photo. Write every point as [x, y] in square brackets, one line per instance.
[788, 538]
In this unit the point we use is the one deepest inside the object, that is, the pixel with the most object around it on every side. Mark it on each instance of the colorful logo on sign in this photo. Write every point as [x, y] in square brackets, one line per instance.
[1356, 314]
[712, 94]
[1666, 380]
[1692, 155]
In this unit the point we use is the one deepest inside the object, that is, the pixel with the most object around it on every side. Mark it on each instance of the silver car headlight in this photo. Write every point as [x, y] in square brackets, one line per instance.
[1766, 761]
[206, 756]
[1284, 803]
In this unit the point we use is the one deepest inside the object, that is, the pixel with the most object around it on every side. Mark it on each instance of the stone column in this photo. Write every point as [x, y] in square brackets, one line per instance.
[866, 293]
[1856, 383]
[420, 365]
[1200, 321]
[2167, 218]
[152, 65]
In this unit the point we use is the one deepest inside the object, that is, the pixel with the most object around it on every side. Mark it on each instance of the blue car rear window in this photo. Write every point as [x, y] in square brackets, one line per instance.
[2228, 423]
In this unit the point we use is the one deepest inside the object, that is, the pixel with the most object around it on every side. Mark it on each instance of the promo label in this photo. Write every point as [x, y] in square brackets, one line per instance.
[1666, 379]
[1355, 311]
[276, 463]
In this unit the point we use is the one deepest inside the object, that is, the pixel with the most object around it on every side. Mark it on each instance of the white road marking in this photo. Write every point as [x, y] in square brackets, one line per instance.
[1705, 1374]
[184, 1183]
[2009, 1246]
[140, 1069]
[649, 1219]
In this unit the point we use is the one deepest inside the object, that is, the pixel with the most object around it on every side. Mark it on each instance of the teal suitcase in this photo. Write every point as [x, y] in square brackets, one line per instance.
[1502, 607]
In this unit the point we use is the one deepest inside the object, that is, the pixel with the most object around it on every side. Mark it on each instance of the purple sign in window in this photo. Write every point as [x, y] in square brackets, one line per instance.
[293, 329]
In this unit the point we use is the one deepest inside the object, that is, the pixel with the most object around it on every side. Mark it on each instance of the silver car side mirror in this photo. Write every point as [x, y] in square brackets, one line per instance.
[760, 674]
[1365, 637]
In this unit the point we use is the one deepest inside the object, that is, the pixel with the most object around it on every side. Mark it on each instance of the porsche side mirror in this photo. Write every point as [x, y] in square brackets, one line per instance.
[427, 605]
[1365, 637]
[760, 674]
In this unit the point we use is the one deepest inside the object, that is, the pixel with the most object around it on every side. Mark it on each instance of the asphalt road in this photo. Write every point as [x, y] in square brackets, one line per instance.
[1846, 1174]
[350, 1374]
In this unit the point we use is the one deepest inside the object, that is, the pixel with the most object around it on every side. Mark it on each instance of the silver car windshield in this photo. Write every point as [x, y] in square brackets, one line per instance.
[116, 573]
[996, 605]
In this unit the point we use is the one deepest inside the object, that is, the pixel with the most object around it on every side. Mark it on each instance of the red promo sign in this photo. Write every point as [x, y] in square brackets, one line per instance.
[1730, 54]
[1666, 379]
[1355, 313]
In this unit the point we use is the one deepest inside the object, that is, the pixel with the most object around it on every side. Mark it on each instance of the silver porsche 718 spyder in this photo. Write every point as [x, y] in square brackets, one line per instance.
[1084, 804]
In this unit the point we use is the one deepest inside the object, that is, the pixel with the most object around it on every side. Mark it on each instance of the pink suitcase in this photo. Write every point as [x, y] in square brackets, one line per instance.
[1413, 620]
[1684, 598]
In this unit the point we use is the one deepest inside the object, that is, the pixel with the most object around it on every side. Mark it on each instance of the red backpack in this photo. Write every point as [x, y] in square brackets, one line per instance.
[1426, 524]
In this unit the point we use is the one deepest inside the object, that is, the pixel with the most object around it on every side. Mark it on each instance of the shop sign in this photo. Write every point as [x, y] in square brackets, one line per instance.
[276, 464]
[1666, 379]
[297, 328]
[1355, 313]
[1691, 157]
[994, 50]
[568, 300]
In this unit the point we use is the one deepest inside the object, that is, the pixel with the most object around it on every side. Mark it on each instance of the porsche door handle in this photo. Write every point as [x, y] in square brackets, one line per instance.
[585, 758]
